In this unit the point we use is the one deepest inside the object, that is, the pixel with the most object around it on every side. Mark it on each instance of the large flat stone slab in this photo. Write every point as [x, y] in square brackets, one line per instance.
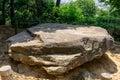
[59, 48]
[60, 39]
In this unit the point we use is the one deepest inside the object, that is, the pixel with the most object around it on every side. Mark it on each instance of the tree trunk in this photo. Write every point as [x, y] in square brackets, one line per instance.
[58, 3]
[39, 7]
[57, 9]
[12, 12]
[12, 16]
[3, 11]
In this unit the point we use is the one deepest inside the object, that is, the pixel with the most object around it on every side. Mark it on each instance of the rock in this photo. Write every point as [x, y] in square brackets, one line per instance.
[6, 73]
[22, 68]
[21, 37]
[106, 76]
[58, 48]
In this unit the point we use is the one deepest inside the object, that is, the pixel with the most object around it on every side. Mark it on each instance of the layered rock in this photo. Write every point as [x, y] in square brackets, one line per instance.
[58, 48]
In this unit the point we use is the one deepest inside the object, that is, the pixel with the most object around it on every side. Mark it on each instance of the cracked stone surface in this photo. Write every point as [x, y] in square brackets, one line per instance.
[59, 48]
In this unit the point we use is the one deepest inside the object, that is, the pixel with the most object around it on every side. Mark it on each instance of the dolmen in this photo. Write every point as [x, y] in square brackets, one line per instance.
[59, 48]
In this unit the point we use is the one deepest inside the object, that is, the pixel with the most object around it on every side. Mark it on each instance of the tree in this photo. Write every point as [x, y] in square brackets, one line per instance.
[39, 7]
[113, 3]
[58, 3]
[70, 13]
[57, 8]
[3, 11]
[88, 7]
[12, 15]
[115, 6]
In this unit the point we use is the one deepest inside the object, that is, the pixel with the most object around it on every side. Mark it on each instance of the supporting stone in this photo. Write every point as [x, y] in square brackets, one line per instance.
[6, 73]
[106, 76]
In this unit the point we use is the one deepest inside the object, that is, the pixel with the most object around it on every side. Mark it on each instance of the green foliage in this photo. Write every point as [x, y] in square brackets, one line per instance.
[24, 12]
[88, 7]
[106, 20]
[0, 12]
[48, 13]
[113, 3]
[0, 4]
[70, 13]
[114, 6]
[79, 12]
[88, 10]
[109, 22]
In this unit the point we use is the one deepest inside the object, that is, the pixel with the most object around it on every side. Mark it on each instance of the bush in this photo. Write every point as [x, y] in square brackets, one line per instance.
[48, 14]
[70, 13]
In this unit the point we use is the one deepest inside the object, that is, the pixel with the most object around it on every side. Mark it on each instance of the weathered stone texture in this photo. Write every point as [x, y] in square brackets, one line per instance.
[59, 48]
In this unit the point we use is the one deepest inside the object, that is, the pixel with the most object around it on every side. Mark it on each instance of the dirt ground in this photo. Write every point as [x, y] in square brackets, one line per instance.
[110, 62]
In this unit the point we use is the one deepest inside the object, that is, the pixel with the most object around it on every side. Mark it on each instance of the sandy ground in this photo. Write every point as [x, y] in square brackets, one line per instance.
[115, 57]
